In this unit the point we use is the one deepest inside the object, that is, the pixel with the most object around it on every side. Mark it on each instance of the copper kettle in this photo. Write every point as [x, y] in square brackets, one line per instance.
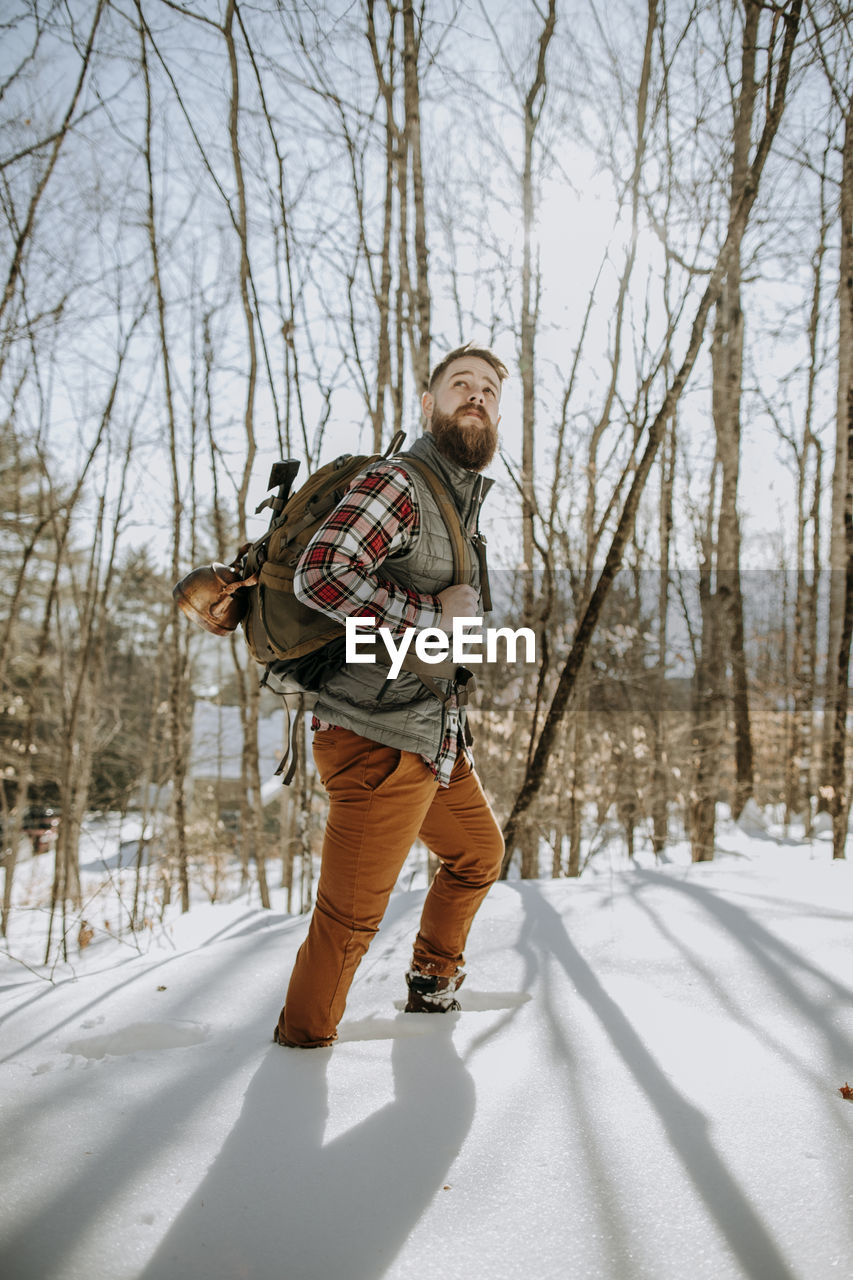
[214, 597]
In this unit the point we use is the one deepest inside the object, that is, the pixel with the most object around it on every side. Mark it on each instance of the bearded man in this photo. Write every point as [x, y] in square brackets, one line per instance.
[392, 754]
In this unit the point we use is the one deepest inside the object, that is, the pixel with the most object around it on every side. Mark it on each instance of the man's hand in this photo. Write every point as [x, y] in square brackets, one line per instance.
[460, 601]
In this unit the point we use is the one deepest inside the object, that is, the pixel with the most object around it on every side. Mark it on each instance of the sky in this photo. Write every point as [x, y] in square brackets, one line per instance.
[100, 203]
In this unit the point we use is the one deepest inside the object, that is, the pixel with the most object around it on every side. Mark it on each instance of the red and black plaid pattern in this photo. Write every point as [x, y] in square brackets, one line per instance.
[339, 572]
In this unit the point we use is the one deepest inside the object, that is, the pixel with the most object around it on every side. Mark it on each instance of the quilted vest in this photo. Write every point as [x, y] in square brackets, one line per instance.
[407, 716]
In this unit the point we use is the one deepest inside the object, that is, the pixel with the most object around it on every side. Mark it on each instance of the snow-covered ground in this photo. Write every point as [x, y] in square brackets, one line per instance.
[644, 1082]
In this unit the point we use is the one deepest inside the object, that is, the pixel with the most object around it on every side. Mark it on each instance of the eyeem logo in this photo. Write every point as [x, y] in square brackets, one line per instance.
[432, 645]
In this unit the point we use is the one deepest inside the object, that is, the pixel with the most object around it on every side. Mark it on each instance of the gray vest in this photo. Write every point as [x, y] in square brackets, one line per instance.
[407, 716]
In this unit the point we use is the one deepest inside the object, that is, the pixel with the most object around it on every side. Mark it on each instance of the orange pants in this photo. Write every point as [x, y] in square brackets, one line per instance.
[380, 800]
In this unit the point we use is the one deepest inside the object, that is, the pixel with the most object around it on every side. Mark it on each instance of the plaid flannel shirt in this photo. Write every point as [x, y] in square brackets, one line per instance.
[339, 574]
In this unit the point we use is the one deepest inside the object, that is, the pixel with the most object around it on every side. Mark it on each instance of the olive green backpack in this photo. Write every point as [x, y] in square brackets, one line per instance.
[290, 639]
[299, 646]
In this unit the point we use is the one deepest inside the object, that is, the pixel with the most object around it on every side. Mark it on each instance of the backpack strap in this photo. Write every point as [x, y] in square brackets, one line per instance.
[394, 443]
[450, 514]
[292, 751]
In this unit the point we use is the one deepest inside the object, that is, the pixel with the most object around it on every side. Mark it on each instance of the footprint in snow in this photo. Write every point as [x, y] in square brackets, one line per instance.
[139, 1037]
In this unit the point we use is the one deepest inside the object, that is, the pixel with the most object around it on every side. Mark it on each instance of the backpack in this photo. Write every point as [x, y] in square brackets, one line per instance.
[293, 641]
[299, 646]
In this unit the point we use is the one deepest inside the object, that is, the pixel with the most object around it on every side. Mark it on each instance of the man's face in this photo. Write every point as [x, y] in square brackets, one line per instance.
[462, 412]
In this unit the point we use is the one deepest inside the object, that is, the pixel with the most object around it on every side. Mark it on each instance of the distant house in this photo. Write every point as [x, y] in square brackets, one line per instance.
[216, 755]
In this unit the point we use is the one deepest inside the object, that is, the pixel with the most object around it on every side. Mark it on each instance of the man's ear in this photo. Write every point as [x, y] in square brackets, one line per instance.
[427, 404]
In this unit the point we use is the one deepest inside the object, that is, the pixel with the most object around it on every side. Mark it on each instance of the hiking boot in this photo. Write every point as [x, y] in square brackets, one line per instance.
[433, 993]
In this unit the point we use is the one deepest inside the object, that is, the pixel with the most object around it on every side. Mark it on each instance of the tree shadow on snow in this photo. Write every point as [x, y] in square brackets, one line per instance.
[280, 1202]
[685, 1125]
[793, 974]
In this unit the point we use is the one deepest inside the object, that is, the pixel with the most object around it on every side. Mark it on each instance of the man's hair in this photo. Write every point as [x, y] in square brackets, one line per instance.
[479, 353]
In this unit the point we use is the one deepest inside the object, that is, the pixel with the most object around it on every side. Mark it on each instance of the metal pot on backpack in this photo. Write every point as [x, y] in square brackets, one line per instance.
[214, 597]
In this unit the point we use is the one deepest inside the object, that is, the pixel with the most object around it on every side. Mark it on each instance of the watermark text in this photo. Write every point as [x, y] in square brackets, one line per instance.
[468, 644]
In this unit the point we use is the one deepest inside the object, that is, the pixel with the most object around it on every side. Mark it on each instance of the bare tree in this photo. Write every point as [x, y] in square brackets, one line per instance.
[833, 40]
[839, 806]
[252, 806]
[534, 104]
[26, 229]
[722, 604]
[807, 452]
[739, 216]
[178, 687]
[418, 295]
[84, 706]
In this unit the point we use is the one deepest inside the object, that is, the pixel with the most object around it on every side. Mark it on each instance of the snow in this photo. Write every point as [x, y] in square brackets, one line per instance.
[643, 1083]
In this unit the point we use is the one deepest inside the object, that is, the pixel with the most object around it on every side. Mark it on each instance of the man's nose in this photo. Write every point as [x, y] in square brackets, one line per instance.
[477, 397]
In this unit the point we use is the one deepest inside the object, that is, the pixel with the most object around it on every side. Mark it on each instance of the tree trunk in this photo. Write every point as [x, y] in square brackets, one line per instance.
[709, 710]
[253, 830]
[794, 676]
[810, 640]
[252, 779]
[178, 682]
[150, 771]
[727, 366]
[25, 777]
[660, 763]
[530, 288]
[839, 806]
[577, 792]
[533, 106]
[383, 302]
[382, 292]
[418, 294]
[303, 816]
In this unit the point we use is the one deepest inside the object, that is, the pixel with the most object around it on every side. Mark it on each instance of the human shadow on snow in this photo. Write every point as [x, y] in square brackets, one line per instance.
[280, 1201]
[685, 1125]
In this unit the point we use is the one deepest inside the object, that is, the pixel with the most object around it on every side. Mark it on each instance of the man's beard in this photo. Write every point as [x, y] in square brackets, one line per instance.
[472, 447]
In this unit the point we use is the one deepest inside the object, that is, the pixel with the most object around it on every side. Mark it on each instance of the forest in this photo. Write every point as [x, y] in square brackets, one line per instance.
[235, 233]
